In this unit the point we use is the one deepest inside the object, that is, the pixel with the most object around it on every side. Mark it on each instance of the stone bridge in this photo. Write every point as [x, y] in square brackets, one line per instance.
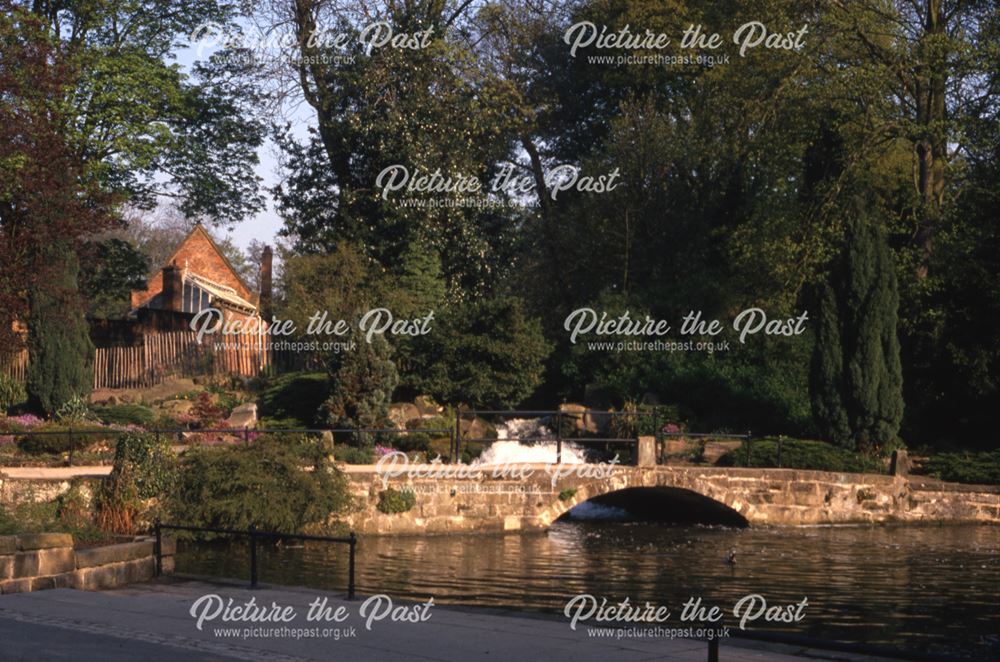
[476, 500]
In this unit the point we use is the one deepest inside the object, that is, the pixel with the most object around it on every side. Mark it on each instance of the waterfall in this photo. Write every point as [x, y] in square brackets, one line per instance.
[509, 449]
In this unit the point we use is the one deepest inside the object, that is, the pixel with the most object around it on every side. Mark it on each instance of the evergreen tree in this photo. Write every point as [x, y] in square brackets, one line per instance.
[362, 382]
[60, 354]
[856, 374]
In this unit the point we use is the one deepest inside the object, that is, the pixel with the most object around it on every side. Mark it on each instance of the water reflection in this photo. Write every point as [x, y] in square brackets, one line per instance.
[926, 588]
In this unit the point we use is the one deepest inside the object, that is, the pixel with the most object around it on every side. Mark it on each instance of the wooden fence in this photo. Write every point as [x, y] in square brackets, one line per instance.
[175, 353]
[15, 365]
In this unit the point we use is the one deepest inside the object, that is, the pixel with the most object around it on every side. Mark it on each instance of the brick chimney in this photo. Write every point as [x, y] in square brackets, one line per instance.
[173, 288]
[266, 258]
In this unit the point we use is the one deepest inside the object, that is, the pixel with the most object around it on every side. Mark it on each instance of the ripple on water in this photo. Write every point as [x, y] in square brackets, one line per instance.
[926, 588]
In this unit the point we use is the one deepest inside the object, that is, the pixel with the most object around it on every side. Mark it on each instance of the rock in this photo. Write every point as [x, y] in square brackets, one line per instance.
[400, 413]
[577, 419]
[243, 416]
[177, 407]
[428, 408]
[326, 439]
[650, 399]
[476, 429]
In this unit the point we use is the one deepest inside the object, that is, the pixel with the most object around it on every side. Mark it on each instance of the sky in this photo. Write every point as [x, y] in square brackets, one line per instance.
[265, 225]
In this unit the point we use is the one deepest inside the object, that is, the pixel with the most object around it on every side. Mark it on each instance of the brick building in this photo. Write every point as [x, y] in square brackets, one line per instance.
[198, 276]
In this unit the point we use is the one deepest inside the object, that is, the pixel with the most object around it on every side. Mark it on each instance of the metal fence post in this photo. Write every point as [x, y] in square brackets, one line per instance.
[749, 442]
[457, 437]
[656, 436]
[246, 435]
[781, 438]
[713, 650]
[69, 431]
[559, 437]
[252, 530]
[350, 566]
[158, 547]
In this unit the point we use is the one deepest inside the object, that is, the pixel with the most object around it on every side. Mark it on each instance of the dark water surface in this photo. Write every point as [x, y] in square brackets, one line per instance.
[917, 588]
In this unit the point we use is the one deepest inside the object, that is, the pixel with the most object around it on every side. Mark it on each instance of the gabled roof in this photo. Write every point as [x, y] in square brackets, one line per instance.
[199, 228]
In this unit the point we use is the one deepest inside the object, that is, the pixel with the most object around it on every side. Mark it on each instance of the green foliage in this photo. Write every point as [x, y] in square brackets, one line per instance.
[142, 475]
[57, 439]
[337, 283]
[979, 468]
[112, 269]
[60, 354]
[294, 398]
[412, 442]
[362, 384]
[487, 353]
[74, 411]
[857, 375]
[801, 454]
[263, 484]
[125, 414]
[567, 494]
[11, 392]
[396, 501]
[354, 454]
[152, 462]
[70, 513]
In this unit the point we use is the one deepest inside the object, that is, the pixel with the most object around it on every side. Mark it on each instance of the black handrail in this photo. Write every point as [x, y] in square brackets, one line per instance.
[254, 533]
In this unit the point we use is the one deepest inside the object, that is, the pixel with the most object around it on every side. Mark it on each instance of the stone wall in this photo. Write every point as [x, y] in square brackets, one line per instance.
[780, 497]
[32, 562]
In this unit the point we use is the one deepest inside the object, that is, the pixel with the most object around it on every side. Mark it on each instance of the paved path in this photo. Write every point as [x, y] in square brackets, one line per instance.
[151, 623]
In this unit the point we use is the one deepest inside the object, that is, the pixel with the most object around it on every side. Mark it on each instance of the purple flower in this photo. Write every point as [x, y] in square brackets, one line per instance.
[383, 450]
[26, 420]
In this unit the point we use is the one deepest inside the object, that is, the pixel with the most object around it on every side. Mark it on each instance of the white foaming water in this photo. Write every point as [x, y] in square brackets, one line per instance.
[507, 449]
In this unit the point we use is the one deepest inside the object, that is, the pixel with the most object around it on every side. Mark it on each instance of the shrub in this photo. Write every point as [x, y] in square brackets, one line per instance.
[154, 462]
[801, 454]
[263, 484]
[76, 410]
[294, 398]
[396, 501]
[125, 415]
[207, 412]
[144, 468]
[413, 442]
[981, 468]
[11, 392]
[57, 439]
[354, 455]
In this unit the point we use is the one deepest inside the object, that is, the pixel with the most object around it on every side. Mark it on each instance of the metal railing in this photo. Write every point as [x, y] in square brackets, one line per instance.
[246, 434]
[458, 440]
[254, 534]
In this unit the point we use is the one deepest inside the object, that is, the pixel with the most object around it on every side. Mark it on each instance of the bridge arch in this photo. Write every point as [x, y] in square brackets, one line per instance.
[717, 506]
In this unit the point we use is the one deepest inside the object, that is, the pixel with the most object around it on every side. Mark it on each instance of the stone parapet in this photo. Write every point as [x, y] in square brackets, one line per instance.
[33, 562]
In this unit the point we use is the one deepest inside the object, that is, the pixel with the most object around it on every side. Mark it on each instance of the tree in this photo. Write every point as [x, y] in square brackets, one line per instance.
[47, 206]
[362, 381]
[856, 379]
[113, 268]
[140, 126]
[486, 353]
[60, 354]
